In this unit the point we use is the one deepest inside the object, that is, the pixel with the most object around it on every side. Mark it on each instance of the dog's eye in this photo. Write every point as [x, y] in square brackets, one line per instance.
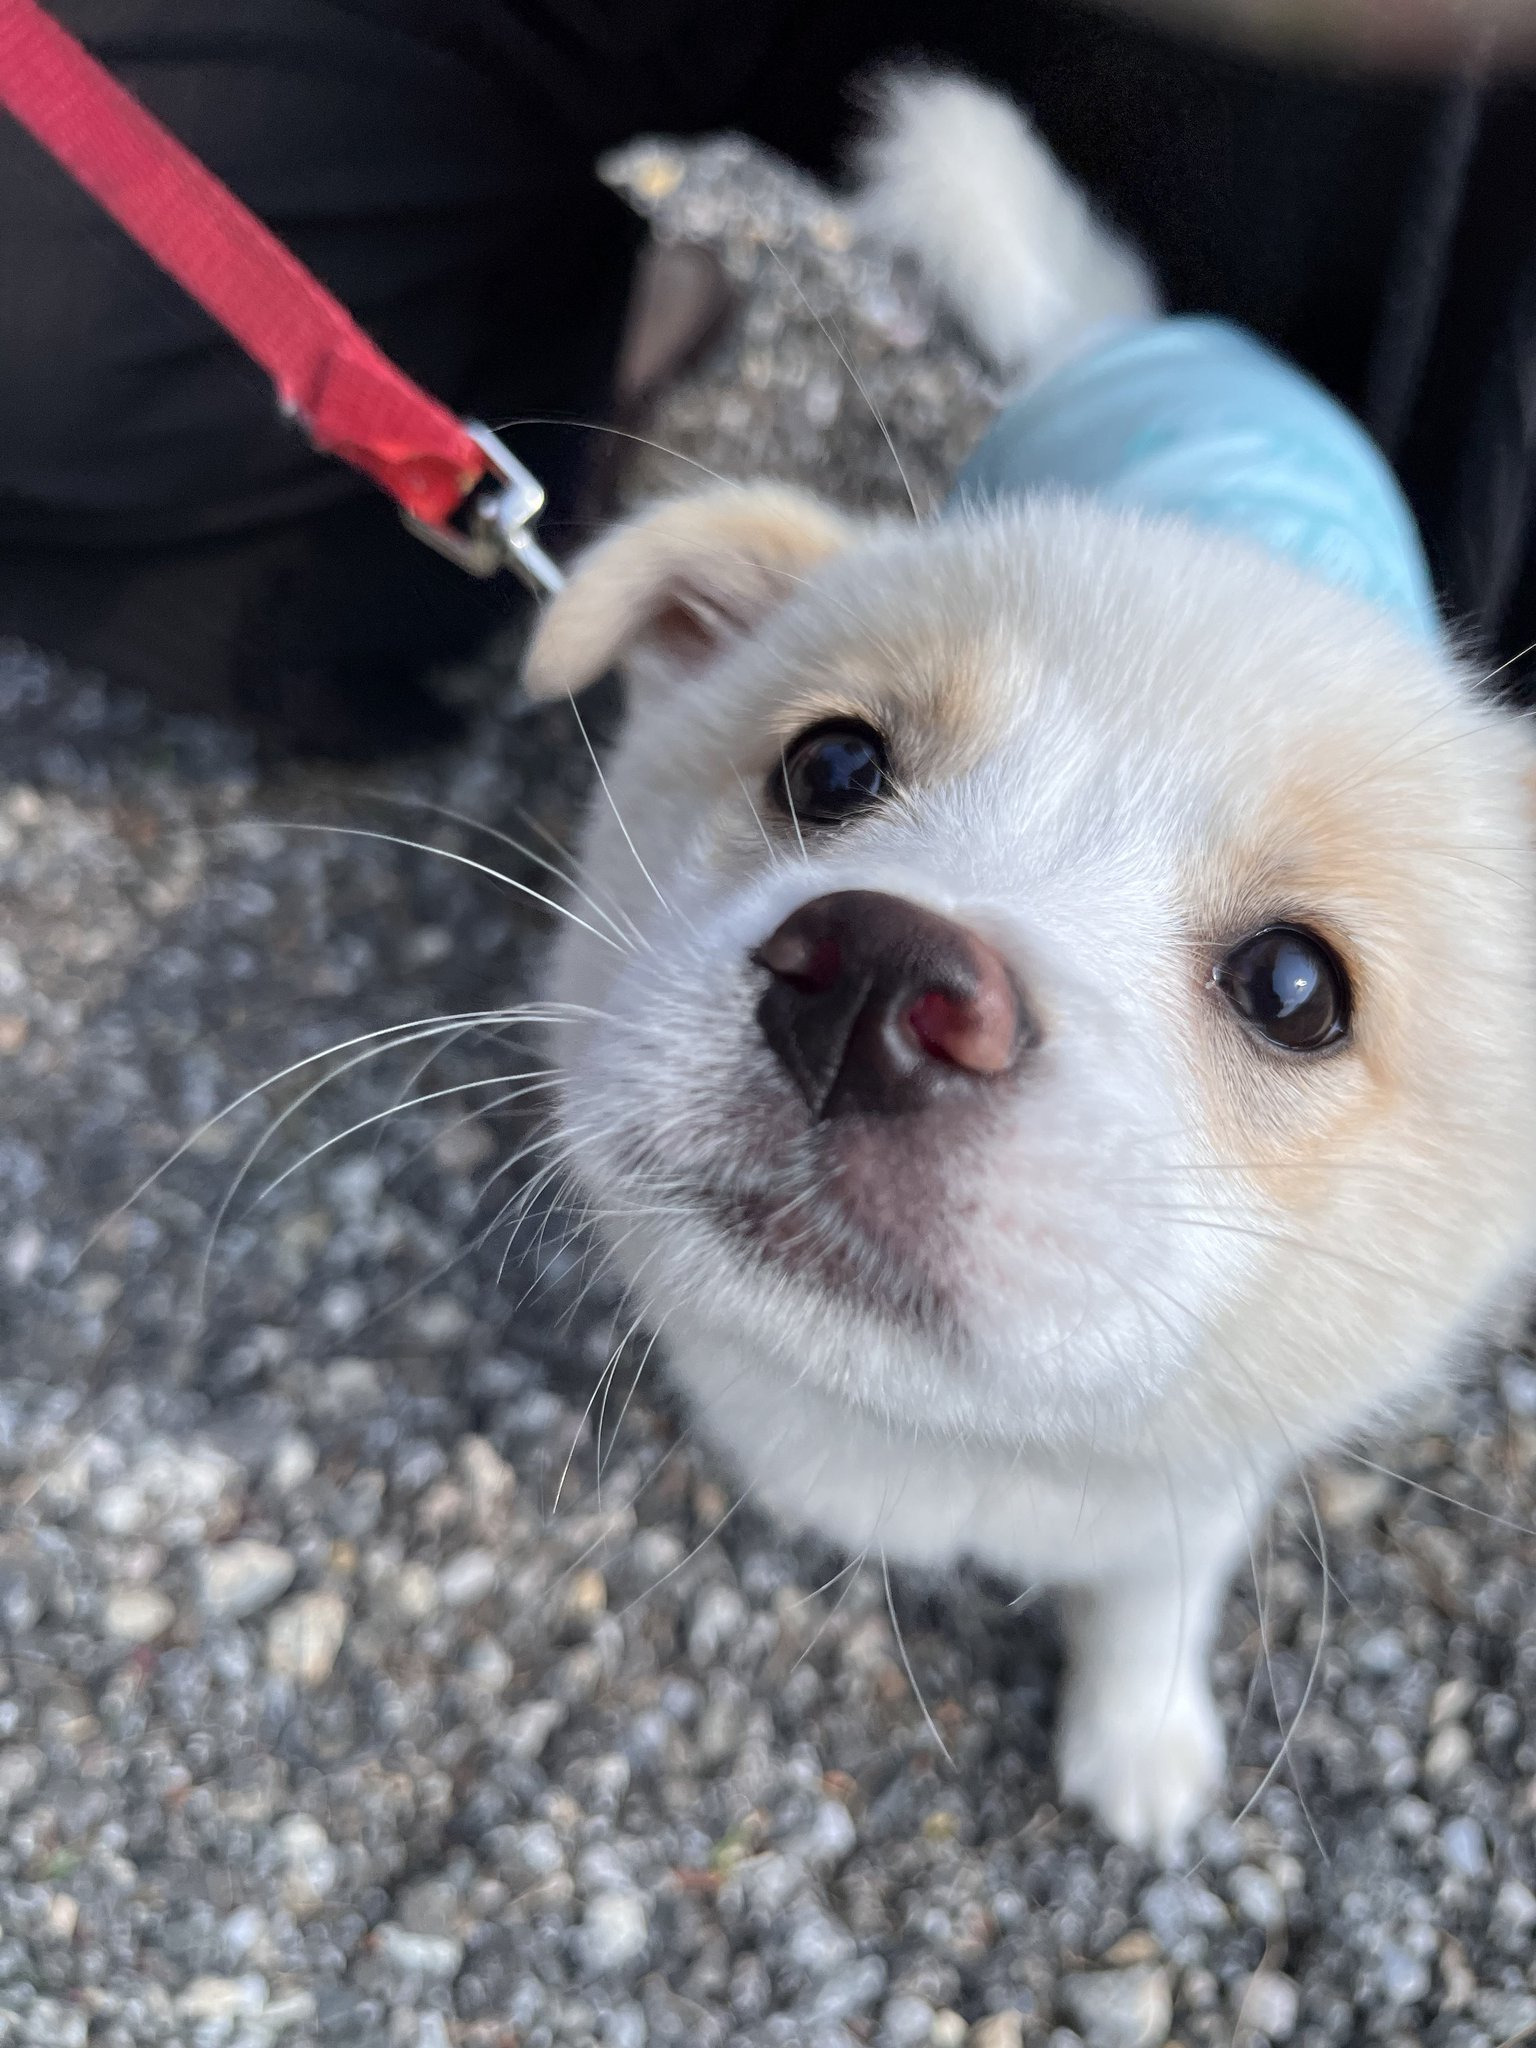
[1289, 986]
[831, 772]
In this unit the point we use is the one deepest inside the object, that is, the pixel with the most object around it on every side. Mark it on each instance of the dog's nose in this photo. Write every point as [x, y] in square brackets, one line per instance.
[874, 1004]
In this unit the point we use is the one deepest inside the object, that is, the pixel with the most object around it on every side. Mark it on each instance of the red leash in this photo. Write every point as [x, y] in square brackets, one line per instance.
[352, 401]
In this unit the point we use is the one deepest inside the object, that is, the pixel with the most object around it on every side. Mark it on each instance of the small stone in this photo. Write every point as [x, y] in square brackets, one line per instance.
[136, 1614]
[1119, 2008]
[222, 1998]
[121, 1510]
[1452, 1701]
[439, 1320]
[586, 1597]
[1413, 1819]
[848, 1992]
[1271, 2005]
[487, 1663]
[948, 2030]
[1515, 1905]
[51, 2024]
[240, 1578]
[997, 2030]
[414, 1591]
[437, 1956]
[463, 1146]
[719, 1616]
[430, 1907]
[816, 1943]
[1464, 1846]
[1257, 1897]
[466, 1579]
[905, 2023]
[350, 1385]
[529, 1728]
[614, 1932]
[1404, 1977]
[64, 1916]
[1448, 1754]
[305, 1635]
[1345, 1498]
[490, 1480]
[829, 1840]
[293, 1463]
[1136, 1947]
[309, 1862]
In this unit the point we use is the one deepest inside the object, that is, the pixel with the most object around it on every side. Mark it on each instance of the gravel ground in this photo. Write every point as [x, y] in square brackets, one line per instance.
[341, 1699]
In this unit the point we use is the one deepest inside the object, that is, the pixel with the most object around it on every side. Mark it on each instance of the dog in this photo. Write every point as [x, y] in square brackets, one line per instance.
[1050, 1039]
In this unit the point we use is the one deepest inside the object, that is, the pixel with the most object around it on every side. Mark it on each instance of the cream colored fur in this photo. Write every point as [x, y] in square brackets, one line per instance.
[1081, 1336]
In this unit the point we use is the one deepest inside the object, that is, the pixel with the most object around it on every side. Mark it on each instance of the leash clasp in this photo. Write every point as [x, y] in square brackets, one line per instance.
[497, 532]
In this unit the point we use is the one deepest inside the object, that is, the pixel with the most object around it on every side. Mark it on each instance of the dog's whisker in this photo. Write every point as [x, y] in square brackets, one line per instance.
[857, 381]
[464, 860]
[529, 1085]
[542, 861]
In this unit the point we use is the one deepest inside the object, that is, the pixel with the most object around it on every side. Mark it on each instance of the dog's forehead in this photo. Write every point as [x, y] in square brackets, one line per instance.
[1065, 659]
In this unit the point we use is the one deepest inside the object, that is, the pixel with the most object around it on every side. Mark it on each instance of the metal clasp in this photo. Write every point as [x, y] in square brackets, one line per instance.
[498, 529]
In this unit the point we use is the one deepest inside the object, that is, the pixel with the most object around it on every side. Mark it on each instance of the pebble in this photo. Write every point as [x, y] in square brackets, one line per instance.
[1515, 1905]
[293, 1462]
[1257, 1897]
[1448, 1754]
[948, 2031]
[1464, 1846]
[310, 1865]
[491, 1481]
[847, 1992]
[1119, 2008]
[466, 1579]
[615, 1930]
[829, 1840]
[414, 1591]
[528, 1728]
[434, 1956]
[222, 1998]
[816, 1943]
[719, 1615]
[997, 2030]
[136, 1614]
[1271, 2005]
[1404, 1976]
[240, 1578]
[304, 1637]
[905, 2023]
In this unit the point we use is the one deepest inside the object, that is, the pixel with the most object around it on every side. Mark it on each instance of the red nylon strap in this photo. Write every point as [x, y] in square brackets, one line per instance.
[351, 399]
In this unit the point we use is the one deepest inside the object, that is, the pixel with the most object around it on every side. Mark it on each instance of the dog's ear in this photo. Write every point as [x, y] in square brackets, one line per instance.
[674, 587]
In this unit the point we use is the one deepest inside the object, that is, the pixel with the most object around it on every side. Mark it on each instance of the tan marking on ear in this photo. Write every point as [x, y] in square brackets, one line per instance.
[700, 569]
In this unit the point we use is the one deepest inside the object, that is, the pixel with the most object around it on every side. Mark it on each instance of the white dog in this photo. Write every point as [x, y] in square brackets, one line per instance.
[1058, 1042]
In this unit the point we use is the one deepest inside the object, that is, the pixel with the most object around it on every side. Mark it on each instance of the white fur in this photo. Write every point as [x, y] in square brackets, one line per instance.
[956, 176]
[1084, 1335]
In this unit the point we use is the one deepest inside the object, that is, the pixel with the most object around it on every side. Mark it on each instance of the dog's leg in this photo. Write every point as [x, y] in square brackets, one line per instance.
[1139, 1740]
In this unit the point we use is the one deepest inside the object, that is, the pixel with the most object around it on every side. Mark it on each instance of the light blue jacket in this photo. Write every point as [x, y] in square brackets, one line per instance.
[1195, 417]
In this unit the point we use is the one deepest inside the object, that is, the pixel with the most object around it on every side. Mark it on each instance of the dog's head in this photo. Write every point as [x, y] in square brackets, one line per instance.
[1042, 971]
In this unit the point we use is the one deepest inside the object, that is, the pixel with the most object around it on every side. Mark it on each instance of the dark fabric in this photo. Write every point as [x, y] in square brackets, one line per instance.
[431, 160]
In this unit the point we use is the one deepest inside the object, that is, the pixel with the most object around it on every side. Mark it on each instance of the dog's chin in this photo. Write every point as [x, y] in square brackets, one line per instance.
[826, 1249]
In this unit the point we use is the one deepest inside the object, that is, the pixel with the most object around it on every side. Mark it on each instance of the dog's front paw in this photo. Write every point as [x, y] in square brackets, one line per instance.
[1148, 1769]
